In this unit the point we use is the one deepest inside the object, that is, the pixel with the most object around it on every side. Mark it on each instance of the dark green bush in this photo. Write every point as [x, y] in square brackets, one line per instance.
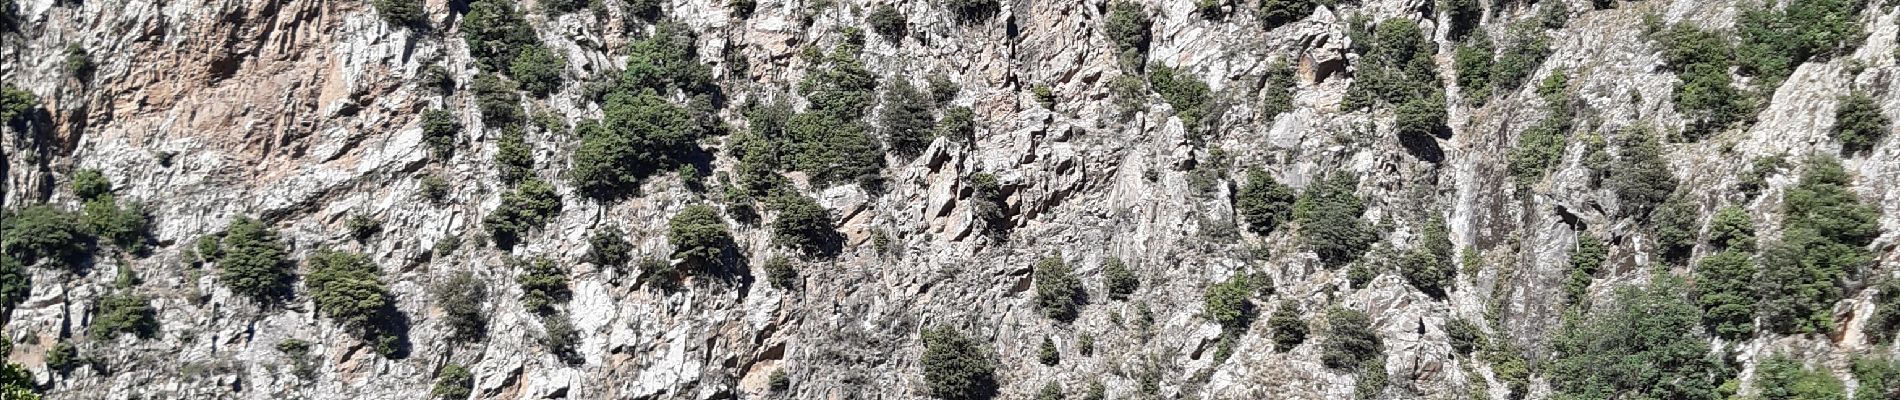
[123, 313]
[401, 12]
[1774, 42]
[1128, 27]
[454, 382]
[1264, 203]
[1473, 59]
[347, 287]
[1228, 304]
[528, 207]
[1522, 50]
[1185, 92]
[1875, 377]
[667, 61]
[1058, 292]
[942, 90]
[1397, 67]
[957, 367]
[14, 103]
[805, 226]
[89, 184]
[16, 283]
[1640, 345]
[1350, 340]
[1465, 336]
[1277, 13]
[63, 357]
[1707, 95]
[1640, 177]
[554, 8]
[125, 227]
[497, 100]
[1329, 220]
[1541, 147]
[887, 22]
[462, 297]
[841, 86]
[1724, 283]
[1732, 228]
[906, 119]
[537, 69]
[1783, 378]
[362, 227]
[1462, 17]
[1287, 327]
[1676, 228]
[645, 9]
[1048, 354]
[495, 32]
[958, 124]
[831, 150]
[1585, 261]
[543, 285]
[514, 160]
[699, 237]
[251, 260]
[1276, 97]
[441, 130]
[41, 233]
[1429, 266]
[1050, 391]
[1420, 117]
[1826, 232]
[608, 247]
[987, 205]
[1859, 124]
[780, 272]
[1118, 279]
[641, 134]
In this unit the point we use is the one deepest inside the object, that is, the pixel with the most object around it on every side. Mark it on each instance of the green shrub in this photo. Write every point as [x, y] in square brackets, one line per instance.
[1585, 261]
[1277, 93]
[1782, 378]
[887, 22]
[608, 247]
[1128, 27]
[543, 285]
[1875, 378]
[646, 9]
[805, 226]
[1429, 266]
[987, 205]
[537, 69]
[1329, 220]
[906, 119]
[528, 207]
[1287, 327]
[441, 131]
[16, 283]
[401, 12]
[840, 86]
[79, 63]
[780, 272]
[640, 135]
[1732, 228]
[1640, 177]
[15, 103]
[495, 32]
[958, 124]
[1640, 345]
[942, 90]
[699, 237]
[1774, 42]
[957, 367]
[123, 313]
[125, 227]
[89, 184]
[554, 8]
[1397, 67]
[453, 382]
[1462, 17]
[1465, 336]
[514, 160]
[1227, 303]
[1277, 13]
[1048, 354]
[1420, 117]
[1057, 290]
[666, 61]
[462, 297]
[743, 8]
[831, 150]
[1264, 203]
[63, 357]
[1523, 50]
[251, 260]
[1118, 279]
[496, 98]
[1045, 95]
[362, 227]
[559, 336]
[1676, 228]
[41, 233]
[1474, 59]
[1185, 92]
[1724, 283]
[1826, 232]
[1858, 123]
[347, 287]
[1350, 340]
[1129, 93]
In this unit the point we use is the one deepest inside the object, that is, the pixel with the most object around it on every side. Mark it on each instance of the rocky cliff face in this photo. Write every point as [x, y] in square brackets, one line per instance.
[306, 113]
